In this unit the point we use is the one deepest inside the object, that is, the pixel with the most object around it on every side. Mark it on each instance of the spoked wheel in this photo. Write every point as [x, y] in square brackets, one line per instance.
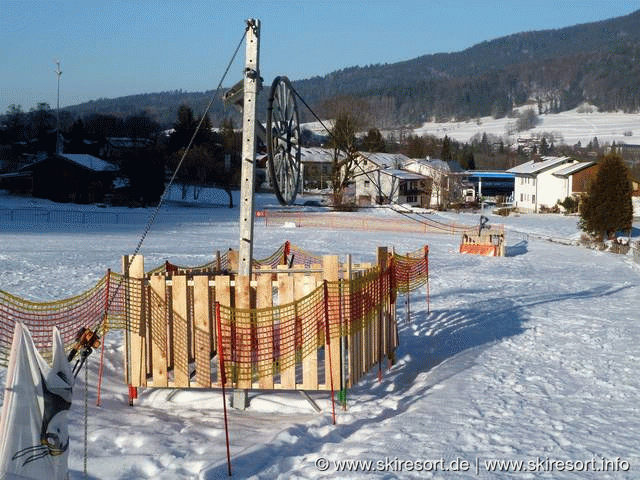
[283, 141]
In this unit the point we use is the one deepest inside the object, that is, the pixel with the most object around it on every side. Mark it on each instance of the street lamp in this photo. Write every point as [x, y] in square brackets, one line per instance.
[58, 139]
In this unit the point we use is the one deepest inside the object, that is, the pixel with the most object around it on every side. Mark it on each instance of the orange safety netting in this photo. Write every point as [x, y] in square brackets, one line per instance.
[69, 315]
[103, 307]
[268, 341]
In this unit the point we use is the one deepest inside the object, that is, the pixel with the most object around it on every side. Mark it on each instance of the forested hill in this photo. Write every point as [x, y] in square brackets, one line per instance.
[557, 69]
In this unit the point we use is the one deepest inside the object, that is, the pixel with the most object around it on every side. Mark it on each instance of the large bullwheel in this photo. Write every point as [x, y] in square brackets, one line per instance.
[283, 141]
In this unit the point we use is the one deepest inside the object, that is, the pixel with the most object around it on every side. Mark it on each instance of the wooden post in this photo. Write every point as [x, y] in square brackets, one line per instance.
[135, 350]
[331, 272]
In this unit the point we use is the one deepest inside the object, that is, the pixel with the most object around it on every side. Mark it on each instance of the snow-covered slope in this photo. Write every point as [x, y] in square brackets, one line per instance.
[530, 357]
[577, 125]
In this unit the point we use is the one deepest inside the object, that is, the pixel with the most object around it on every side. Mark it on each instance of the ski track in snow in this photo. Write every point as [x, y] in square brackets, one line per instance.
[531, 355]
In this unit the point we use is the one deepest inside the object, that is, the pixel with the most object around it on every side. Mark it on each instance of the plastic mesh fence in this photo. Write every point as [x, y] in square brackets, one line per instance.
[295, 329]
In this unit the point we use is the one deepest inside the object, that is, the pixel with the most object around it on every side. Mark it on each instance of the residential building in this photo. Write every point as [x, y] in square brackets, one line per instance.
[381, 179]
[545, 180]
[63, 177]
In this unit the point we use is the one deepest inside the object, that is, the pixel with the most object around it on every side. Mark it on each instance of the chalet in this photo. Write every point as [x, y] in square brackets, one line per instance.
[64, 177]
[381, 178]
[545, 180]
[445, 181]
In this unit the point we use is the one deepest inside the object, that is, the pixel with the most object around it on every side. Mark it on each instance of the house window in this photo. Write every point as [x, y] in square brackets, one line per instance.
[366, 183]
[411, 199]
[533, 199]
[521, 197]
[533, 180]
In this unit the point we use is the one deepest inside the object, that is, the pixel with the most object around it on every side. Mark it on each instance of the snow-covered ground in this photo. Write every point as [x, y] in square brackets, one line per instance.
[578, 125]
[532, 357]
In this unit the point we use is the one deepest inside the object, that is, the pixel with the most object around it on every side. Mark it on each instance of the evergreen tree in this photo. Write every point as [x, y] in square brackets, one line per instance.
[445, 153]
[607, 208]
[373, 141]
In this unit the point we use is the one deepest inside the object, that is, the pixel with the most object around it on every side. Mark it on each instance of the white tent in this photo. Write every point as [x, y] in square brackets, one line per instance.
[34, 437]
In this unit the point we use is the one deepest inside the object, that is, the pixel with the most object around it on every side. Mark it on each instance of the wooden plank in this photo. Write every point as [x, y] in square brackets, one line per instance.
[243, 331]
[135, 354]
[286, 330]
[232, 256]
[223, 297]
[304, 285]
[202, 330]
[349, 318]
[331, 273]
[158, 331]
[180, 331]
[264, 300]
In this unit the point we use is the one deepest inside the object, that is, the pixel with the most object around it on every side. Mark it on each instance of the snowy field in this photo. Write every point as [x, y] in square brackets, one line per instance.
[570, 127]
[532, 357]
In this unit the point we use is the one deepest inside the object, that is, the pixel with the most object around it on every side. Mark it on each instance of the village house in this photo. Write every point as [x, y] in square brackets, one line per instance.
[445, 180]
[381, 179]
[316, 166]
[63, 177]
[544, 181]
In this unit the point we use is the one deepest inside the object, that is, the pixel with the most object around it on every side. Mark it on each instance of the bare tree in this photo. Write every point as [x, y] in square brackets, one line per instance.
[342, 141]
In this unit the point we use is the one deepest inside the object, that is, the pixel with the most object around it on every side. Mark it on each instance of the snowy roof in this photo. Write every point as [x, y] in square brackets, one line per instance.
[89, 162]
[316, 155]
[571, 169]
[531, 167]
[434, 163]
[402, 174]
[385, 160]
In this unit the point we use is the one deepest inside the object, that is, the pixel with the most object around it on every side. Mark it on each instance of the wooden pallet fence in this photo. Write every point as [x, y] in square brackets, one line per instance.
[281, 328]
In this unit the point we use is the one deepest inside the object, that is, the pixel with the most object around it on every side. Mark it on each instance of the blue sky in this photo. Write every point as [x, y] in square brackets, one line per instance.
[114, 48]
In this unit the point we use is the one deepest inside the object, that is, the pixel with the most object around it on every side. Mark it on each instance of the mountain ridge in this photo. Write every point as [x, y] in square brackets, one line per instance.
[596, 62]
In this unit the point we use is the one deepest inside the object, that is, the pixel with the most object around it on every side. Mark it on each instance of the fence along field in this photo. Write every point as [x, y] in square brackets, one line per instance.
[300, 322]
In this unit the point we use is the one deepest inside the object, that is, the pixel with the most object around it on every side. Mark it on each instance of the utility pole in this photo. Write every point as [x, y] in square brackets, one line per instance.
[58, 139]
[247, 181]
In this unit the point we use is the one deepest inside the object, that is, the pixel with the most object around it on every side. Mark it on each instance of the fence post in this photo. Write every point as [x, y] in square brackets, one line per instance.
[135, 351]
[331, 273]
[381, 255]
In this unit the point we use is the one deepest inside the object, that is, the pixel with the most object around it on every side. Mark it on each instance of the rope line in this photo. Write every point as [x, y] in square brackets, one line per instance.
[404, 210]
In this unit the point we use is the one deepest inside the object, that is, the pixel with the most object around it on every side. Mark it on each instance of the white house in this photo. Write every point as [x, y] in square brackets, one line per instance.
[439, 172]
[317, 166]
[543, 181]
[380, 179]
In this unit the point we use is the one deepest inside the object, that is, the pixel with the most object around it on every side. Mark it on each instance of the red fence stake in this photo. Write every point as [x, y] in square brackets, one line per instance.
[426, 264]
[223, 381]
[104, 334]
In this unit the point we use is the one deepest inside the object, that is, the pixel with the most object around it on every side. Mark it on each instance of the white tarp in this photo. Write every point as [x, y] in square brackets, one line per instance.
[34, 437]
